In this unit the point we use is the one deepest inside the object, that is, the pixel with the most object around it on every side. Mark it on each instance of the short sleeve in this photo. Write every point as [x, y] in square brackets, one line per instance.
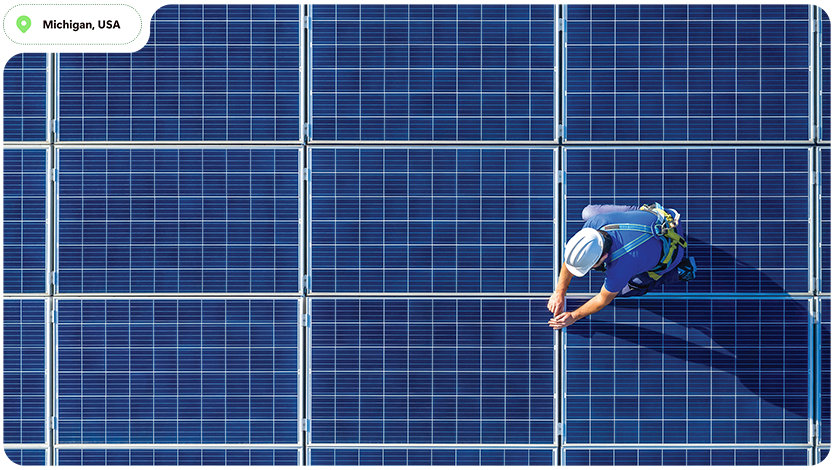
[616, 279]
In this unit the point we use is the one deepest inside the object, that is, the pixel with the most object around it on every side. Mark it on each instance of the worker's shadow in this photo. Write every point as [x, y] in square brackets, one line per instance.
[742, 337]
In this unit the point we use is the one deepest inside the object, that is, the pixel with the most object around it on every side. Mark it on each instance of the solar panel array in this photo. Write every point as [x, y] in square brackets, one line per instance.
[825, 75]
[321, 234]
[422, 220]
[433, 72]
[178, 457]
[430, 371]
[27, 456]
[824, 340]
[208, 73]
[24, 220]
[179, 220]
[25, 98]
[24, 372]
[825, 218]
[687, 73]
[745, 211]
[178, 371]
[689, 371]
[754, 456]
[437, 456]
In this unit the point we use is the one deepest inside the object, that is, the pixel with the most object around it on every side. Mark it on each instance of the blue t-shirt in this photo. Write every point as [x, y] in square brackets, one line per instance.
[636, 261]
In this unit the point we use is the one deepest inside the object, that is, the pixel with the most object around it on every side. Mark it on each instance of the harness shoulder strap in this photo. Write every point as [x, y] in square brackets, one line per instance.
[664, 229]
[647, 234]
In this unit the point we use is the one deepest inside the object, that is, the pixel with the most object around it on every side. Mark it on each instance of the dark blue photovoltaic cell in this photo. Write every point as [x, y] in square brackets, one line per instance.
[687, 72]
[24, 98]
[825, 219]
[744, 212]
[423, 220]
[825, 82]
[433, 72]
[823, 453]
[435, 456]
[24, 372]
[689, 371]
[447, 371]
[750, 456]
[177, 371]
[178, 457]
[209, 220]
[24, 221]
[824, 393]
[208, 73]
[27, 456]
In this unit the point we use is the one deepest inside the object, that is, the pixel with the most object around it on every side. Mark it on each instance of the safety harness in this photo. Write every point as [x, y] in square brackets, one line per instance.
[664, 229]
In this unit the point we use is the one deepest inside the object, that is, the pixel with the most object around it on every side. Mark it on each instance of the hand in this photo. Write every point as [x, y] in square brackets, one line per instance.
[556, 304]
[562, 320]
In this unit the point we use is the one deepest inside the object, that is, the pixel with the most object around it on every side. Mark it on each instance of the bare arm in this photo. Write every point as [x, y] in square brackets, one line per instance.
[595, 304]
[557, 301]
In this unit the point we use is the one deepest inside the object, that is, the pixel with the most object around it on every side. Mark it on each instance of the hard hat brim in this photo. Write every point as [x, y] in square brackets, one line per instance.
[576, 272]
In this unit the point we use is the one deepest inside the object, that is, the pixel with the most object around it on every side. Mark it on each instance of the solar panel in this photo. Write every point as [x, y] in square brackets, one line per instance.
[433, 72]
[689, 371]
[745, 211]
[431, 220]
[687, 72]
[212, 456]
[24, 220]
[751, 456]
[208, 73]
[24, 98]
[178, 371]
[430, 371]
[825, 76]
[24, 372]
[825, 219]
[824, 392]
[188, 220]
[434, 456]
[27, 456]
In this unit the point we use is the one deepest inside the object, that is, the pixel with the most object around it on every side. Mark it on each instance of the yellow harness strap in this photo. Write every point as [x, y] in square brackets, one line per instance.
[671, 239]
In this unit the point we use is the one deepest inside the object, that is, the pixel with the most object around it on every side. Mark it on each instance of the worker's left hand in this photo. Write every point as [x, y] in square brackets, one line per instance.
[562, 320]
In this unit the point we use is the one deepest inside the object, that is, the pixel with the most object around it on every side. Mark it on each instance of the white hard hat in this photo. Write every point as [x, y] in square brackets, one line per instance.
[583, 251]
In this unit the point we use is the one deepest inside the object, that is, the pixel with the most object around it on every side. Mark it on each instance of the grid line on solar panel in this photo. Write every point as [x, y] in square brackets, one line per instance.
[431, 220]
[436, 456]
[24, 372]
[177, 371]
[25, 98]
[687, 73]
[787, 456]
[208, 73]
[398, 371]
[689, 371]
[178, 457]
[198, 220]
[24, 220]
[744, 212]
[432, 72]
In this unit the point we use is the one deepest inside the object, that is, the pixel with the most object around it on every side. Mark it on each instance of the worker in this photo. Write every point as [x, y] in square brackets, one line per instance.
[637, 249]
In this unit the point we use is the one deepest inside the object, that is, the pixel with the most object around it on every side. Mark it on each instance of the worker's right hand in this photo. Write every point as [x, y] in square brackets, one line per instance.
[556, 304]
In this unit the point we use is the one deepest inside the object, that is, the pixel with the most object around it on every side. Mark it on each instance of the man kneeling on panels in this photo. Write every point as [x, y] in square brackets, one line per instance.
[637, 249]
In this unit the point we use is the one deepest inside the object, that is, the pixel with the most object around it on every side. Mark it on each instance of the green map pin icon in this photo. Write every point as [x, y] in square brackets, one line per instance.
[24, 23]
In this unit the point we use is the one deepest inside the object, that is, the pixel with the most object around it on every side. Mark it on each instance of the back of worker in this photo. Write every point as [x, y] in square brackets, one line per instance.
[638, 260]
